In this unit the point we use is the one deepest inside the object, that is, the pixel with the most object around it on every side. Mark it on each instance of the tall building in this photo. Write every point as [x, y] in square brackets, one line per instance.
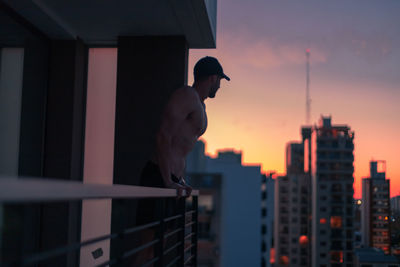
[330, 153]
[235, 209]
[375, 221]
[293, 209]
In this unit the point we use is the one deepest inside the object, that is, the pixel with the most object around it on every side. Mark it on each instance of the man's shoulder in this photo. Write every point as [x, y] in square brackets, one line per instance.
[186, 92]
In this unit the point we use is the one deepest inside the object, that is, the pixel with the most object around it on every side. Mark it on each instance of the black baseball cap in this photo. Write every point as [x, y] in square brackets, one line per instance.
[207, 66]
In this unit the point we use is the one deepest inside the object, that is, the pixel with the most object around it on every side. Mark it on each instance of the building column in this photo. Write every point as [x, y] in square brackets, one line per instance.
[64, 144]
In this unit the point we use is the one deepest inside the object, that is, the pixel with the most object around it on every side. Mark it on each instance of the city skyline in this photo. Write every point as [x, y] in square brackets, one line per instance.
[354, 65]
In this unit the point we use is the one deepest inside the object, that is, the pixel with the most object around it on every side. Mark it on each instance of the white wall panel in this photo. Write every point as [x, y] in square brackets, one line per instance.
[99, 148]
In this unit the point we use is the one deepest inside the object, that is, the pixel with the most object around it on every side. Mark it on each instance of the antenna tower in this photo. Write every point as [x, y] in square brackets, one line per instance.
[308, 99]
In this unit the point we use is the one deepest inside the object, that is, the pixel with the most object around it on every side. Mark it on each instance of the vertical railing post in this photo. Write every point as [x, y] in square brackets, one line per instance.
[159, 248]
[181, 224]
[195, 229]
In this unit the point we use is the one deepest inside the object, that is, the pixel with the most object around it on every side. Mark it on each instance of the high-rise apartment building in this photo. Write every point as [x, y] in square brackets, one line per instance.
[314, 201]
[330, 153]
[375, 222]
[293, 210]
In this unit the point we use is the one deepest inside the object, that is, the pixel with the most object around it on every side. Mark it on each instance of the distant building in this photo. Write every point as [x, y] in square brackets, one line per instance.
[295, 157]
[376, 208]
[235, 209]
[395, 205]
[293, 210]
[330, 153]
[372, 257]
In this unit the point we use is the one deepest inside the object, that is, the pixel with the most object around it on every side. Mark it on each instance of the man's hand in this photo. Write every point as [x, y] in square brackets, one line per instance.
[181, 186]
[188, 188]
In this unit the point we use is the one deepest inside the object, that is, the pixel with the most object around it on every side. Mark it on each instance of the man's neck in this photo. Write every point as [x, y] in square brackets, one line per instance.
[201, 91]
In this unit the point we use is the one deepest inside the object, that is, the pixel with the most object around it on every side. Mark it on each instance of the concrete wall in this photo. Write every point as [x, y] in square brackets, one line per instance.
[99, 149]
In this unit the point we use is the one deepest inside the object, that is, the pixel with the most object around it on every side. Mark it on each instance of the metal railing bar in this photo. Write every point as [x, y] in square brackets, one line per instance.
[27, 191]
[135, 250]
[172, 218]
[172, 248]
[114, 261]
[38, 190]
[150, 262]
[63, 250]
[173, 261]
[139, 228]
[190, 212]
[189, 224]
[189, 247]
[167, 235]
[188, 259]
[189, 235]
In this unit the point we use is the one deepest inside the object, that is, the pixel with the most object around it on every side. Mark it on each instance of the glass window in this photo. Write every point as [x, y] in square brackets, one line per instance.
[337, 257]
[336, 222]
[99, 146]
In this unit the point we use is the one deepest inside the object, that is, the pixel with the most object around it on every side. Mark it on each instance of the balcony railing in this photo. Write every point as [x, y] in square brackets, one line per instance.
[40, 191]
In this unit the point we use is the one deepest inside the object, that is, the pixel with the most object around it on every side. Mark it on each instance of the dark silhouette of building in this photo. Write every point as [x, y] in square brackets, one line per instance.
[376, 208]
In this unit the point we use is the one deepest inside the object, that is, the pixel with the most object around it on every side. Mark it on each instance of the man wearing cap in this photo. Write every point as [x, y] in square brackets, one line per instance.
[184, 120]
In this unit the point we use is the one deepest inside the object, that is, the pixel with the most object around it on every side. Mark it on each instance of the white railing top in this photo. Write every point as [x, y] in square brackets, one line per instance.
[19, 190]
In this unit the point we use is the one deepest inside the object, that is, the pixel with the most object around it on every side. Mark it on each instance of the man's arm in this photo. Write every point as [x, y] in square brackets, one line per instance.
[181, 104]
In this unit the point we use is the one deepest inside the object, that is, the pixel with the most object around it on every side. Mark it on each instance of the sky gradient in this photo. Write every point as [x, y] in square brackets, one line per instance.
[355, 65]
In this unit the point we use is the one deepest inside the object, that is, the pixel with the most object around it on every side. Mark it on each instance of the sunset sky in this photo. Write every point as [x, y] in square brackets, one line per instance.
[355, 78]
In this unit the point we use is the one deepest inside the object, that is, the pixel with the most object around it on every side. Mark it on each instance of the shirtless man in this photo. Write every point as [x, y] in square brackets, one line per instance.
[184, 121]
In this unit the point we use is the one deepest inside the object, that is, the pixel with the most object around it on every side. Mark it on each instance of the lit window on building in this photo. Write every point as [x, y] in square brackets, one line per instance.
[284, 260]
[336, 222]
[337, 257]
[303, 240]
[322, 221]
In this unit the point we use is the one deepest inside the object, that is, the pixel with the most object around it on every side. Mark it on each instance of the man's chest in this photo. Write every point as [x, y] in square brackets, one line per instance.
[199, 119]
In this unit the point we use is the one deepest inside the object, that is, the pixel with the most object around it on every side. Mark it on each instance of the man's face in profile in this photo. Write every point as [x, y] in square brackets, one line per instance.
[216, 82]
